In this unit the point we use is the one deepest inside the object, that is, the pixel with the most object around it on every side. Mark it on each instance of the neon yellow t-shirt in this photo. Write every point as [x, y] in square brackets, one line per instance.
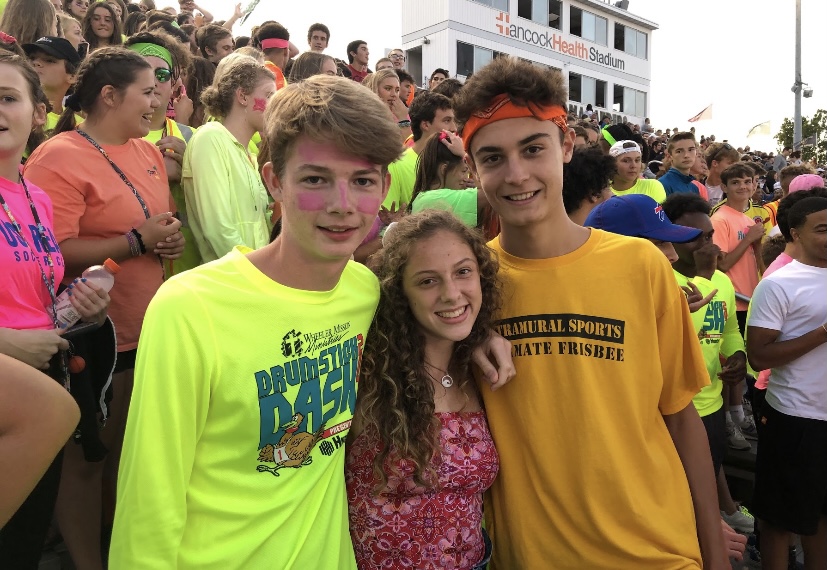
[403, 178]
[190, 257]
[52, 119]
[589, 476]
[649, 187]
[234, 449]
[716, 325]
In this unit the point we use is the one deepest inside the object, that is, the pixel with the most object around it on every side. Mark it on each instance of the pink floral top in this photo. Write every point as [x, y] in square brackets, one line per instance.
[408, 526]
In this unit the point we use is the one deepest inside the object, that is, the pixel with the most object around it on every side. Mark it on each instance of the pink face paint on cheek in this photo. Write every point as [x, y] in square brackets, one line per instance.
[259, 104]
[310, 202]
[368, 205]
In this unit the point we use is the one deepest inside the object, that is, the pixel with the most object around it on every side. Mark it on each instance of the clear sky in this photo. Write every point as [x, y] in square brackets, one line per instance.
[737, 55]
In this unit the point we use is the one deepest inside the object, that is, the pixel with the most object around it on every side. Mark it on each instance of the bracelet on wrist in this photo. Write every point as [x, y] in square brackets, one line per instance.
[824, 326]
[404, 124]
[134, 249]
[140, 241]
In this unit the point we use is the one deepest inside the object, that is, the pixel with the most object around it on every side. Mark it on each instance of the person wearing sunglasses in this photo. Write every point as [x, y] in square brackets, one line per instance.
[168, 57]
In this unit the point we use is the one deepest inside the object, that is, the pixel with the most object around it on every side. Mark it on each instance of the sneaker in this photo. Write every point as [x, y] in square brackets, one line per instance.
[741, 520]
[735, 438]
[747, 427]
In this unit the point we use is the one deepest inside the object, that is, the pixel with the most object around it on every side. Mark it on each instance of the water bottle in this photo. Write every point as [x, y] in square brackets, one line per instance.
[101, 275]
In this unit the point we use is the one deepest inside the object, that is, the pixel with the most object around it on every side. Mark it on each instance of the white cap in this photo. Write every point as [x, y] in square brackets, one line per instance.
[622, 147]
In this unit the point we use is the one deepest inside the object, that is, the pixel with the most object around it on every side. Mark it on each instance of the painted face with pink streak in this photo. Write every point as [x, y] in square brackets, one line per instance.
[329, 198]
[257, 103]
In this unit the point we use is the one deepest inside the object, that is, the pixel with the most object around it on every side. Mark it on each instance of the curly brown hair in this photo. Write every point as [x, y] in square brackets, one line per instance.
[396, 395]
[524, 83]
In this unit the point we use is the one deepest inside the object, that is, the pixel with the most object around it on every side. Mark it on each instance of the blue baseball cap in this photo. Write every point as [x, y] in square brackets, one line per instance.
[638, 215]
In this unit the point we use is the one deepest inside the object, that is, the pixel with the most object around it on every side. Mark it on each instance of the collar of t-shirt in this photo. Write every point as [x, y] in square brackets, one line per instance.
[686, 178]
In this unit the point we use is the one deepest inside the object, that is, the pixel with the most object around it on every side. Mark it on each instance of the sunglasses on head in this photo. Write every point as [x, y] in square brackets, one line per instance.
[724, 146]
[630, 144]
[162, 75]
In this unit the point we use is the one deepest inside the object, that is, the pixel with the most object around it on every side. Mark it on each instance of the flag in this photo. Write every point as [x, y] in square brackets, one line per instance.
[249, 10]
[759, 129]
[704, 115]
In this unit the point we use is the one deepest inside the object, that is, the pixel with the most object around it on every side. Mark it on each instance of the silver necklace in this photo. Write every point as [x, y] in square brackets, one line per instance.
[446, 381]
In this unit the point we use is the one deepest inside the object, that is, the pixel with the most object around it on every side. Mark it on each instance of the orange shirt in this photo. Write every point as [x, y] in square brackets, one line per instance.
[280, 82]
[91, 201]
[731, 227]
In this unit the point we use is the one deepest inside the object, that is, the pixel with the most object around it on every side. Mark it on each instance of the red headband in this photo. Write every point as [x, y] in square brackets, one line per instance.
[502, 107]
[274, 43]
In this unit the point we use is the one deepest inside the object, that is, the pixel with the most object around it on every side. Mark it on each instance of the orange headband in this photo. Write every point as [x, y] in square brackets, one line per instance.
[502, 107]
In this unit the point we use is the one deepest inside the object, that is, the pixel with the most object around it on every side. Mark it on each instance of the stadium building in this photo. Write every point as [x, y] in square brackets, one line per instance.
[602, 49]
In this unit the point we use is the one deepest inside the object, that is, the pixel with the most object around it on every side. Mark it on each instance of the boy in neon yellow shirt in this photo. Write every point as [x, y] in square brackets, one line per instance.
[247, 366]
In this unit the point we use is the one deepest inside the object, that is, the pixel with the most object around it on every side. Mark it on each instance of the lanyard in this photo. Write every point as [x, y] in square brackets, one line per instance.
[48, 281]
[119, 172]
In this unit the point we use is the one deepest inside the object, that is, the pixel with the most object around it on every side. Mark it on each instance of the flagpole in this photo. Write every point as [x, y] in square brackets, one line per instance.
[798, 83]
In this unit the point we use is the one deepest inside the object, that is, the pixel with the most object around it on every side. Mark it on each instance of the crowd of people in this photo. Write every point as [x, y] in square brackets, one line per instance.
[287, 230]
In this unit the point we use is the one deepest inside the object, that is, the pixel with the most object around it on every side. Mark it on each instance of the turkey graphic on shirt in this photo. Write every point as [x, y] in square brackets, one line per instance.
[293, 450]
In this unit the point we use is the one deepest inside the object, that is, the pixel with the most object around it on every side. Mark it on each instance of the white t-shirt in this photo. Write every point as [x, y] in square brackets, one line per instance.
[715, 193]
[793, 300]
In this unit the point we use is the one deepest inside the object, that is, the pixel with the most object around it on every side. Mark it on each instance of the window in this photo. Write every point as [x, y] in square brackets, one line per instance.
[501, 5]
[465, 59]
[629, 101]
[575, 87]
[631, 41]
[545, 12]
[587, 90]
[588, 26]
[472, 58]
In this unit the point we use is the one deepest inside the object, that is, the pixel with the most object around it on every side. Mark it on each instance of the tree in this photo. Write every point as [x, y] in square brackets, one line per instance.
[810, 127]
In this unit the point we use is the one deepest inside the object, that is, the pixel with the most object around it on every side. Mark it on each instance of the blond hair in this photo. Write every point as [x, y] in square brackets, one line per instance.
[243, 73]
[374, 80]
[331, 109]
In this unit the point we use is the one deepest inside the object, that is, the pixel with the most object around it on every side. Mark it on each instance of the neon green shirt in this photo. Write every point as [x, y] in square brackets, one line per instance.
[717, 328]
[652, 188]
[225, 198]
[191, 257]
[52, 119]
[234, 448]
[403, 178]
[461, 203]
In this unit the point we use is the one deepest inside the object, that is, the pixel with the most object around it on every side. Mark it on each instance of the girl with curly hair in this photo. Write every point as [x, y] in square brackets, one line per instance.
[420, 454]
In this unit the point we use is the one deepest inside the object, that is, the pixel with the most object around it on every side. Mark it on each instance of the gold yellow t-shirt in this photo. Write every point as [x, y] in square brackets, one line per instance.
[604, 347]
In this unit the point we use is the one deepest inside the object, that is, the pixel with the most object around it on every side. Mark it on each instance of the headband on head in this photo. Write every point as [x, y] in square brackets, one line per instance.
[153, 50]
[608, 136]
[502, 107]
[274, 43]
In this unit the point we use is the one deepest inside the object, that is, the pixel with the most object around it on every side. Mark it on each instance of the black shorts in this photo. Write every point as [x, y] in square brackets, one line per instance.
[126, 360]
[715, 424]
[758, 396]
[791, 472]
